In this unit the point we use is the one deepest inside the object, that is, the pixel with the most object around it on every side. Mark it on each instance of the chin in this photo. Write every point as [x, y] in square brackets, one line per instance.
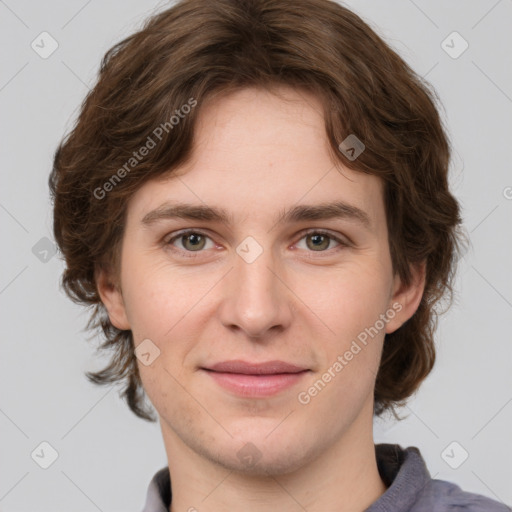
[261, 454]
[267, 462]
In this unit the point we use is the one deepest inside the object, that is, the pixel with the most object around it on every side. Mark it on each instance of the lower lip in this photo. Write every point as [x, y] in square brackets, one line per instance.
[256, 385]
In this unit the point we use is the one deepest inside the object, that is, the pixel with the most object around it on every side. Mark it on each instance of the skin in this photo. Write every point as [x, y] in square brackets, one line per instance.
[256, 154]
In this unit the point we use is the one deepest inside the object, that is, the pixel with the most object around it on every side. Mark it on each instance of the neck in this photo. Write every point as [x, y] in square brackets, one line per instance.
[344, 478]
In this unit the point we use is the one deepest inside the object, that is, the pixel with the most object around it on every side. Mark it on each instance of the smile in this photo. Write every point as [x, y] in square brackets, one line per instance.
[255, 379]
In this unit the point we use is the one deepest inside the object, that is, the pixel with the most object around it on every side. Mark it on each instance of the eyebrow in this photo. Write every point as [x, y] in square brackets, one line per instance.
[323, 211]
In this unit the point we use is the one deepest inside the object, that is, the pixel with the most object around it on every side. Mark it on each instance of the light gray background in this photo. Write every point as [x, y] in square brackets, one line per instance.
[106, 455]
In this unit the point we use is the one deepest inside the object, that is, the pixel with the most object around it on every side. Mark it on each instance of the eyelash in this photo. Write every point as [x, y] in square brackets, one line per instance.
[192, 254]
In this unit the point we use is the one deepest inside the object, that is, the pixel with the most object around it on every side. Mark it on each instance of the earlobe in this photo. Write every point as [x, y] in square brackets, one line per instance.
[405, 300]
[112, 298]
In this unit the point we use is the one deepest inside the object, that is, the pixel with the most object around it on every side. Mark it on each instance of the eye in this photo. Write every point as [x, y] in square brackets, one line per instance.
[191, 241]
[320, 241]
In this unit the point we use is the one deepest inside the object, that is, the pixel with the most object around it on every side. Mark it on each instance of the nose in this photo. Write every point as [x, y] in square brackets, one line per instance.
[256, 300]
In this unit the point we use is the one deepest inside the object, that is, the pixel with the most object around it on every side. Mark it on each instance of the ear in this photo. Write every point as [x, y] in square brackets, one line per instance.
[405, 300]
[112, 299]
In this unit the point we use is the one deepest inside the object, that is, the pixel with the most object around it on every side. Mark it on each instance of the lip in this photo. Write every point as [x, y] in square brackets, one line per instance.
[255, 379]
[265, 368]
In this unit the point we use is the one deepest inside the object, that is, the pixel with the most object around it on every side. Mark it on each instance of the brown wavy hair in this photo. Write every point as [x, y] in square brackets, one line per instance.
[198, 49]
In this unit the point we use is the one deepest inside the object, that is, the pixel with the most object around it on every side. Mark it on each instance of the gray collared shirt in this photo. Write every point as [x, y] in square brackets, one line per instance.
[410, 487]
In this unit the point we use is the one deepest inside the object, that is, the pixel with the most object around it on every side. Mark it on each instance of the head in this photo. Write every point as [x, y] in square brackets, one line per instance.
[309, 165]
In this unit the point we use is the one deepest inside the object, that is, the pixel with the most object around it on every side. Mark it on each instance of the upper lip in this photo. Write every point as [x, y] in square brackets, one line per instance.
[265, 368]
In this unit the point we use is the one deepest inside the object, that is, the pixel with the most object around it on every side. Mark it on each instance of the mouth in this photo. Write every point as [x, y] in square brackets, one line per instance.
[255, 379]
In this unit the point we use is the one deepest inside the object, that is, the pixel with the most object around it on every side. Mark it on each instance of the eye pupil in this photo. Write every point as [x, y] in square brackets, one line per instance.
[193, 241]
[319, 242]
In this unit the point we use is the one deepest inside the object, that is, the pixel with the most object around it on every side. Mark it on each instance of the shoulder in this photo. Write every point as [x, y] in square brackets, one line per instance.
[411, 488]
[158, 497]
[448, 497]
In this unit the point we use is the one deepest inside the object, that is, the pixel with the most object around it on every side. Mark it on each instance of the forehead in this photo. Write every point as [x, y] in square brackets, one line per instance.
[257, 154]
[276, 123]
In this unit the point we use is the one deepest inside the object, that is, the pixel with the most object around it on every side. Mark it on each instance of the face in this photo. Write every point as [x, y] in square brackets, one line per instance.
[258, 287]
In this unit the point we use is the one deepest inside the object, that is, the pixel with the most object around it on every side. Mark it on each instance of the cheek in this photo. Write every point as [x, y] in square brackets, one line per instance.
[157, 297]
[349, 302]
[167, 308]
[161, 383]
[347, 299]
